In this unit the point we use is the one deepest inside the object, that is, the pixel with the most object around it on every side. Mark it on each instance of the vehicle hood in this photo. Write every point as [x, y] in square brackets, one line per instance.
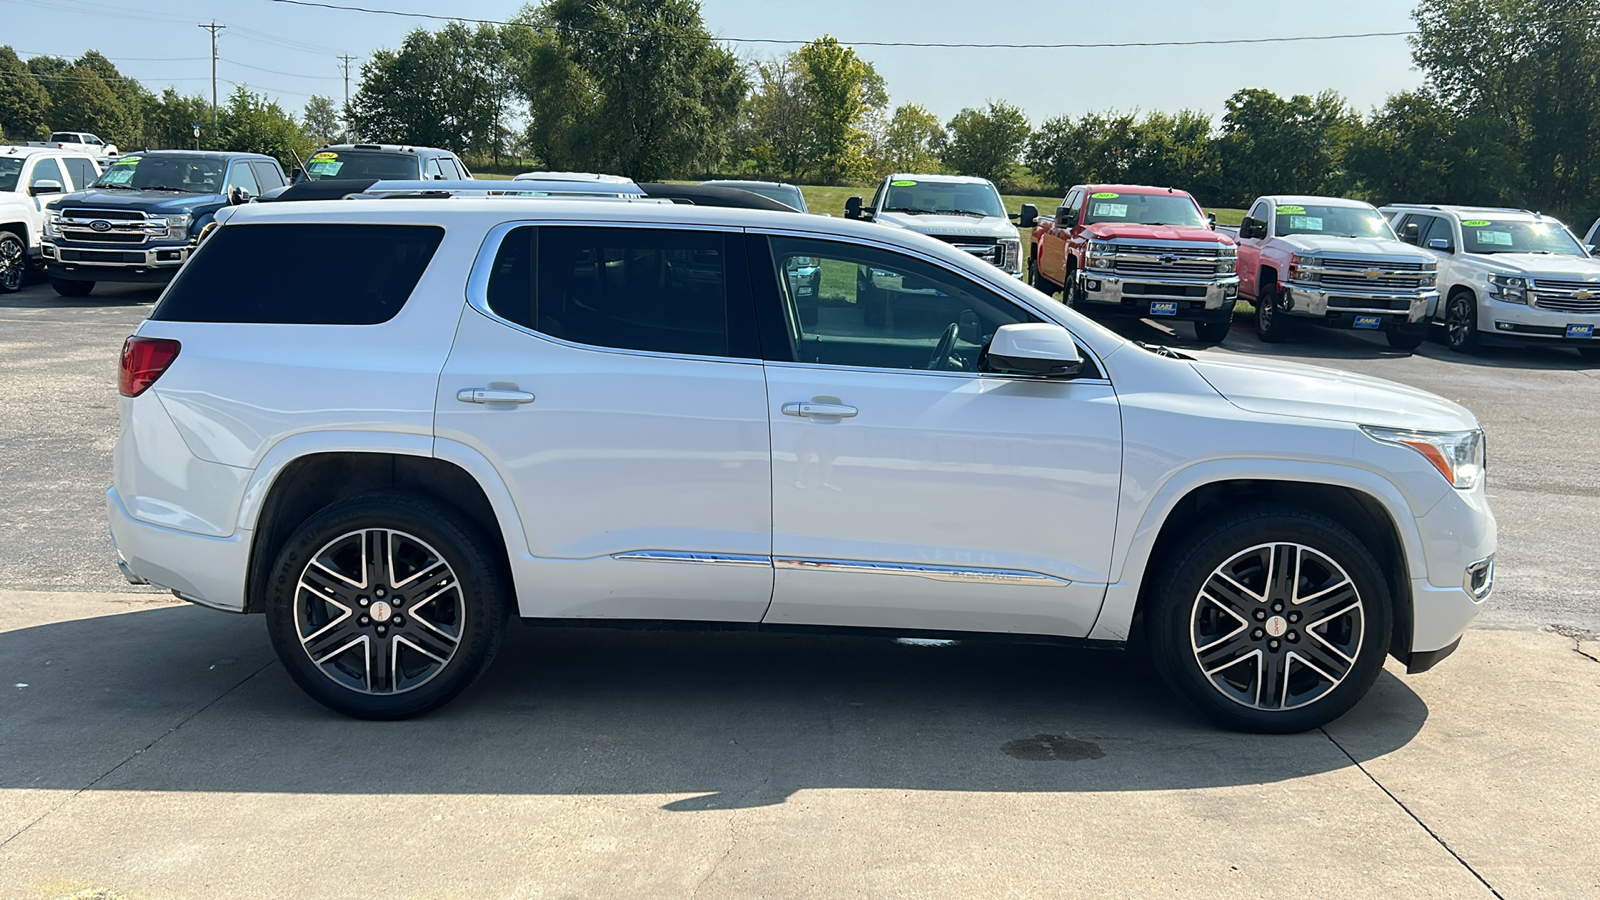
[1105, 231]
[159, 202]
[1339, 246]
[1313, 392]
[1541, 265]
[960, 226]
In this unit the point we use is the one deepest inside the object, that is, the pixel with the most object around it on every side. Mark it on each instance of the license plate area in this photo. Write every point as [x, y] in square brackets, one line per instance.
[1367, 322]
[1580, 331]
[1164, 308]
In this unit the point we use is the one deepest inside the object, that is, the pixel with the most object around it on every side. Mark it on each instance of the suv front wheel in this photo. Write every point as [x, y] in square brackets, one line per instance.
[386, 606]
[1270, 620]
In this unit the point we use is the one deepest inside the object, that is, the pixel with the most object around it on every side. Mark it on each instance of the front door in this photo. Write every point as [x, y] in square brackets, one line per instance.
[611, 376]
[910, 488]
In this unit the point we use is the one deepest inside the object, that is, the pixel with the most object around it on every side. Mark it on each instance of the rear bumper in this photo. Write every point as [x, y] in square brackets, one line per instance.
[205, 570]
[1177, 298]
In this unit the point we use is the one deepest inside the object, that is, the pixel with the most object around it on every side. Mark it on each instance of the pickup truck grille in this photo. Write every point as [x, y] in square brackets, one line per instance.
[985, 248]
[109, 214]
[1191, 251]
[1566, 296]
[1178, 267]
[116, 226]
[1370, 275]
[1361, 282]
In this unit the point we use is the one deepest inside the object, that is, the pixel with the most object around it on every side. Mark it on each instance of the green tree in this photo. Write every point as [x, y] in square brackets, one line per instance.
[841, 90]
[1273, 145]
[133, 97]
[1177, 150]
[80, 100]
[172, 118]
[987, 142]
[633, 87]
[320, 119]
[24, 103]
[251, 123]
[911, 141]
[775, 128]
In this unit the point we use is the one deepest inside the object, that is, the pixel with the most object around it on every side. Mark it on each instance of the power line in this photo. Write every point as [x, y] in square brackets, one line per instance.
[344, 63]
[213, 28]
[926, 44]
[120, 58]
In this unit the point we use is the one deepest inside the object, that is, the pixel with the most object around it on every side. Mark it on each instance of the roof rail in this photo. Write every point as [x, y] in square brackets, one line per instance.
[486, 188]
[1445, 207]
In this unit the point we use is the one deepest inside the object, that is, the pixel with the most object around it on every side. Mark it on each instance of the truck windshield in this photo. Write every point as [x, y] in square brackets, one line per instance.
[326, 164]
[189, 174]
[1538, 236]
[10, 173]
[1334, 221]
[1143, 209]
[942, 197]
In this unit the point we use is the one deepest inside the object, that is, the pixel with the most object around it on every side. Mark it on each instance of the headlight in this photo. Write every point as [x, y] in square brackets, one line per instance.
[178, 226]
[1458, 455]
[1010, 255]
[1298, 266]
[1509, 288]
[1227, 265]
[52, 225]
[1097, 248]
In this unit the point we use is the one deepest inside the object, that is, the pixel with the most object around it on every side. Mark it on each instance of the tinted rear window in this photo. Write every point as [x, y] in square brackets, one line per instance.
[307, 274]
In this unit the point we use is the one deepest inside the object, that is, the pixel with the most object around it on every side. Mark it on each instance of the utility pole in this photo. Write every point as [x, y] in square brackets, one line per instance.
[344, 111]
[213, 28]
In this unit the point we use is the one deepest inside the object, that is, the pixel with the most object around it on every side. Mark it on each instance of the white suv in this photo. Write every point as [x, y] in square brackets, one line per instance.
[1510, 273]
[432, 413]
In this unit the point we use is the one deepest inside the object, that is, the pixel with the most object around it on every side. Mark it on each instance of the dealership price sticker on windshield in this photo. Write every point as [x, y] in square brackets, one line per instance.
[1291, 210]
[1111, 210]
[1309, 223]
[1104, 195]
[902, 184]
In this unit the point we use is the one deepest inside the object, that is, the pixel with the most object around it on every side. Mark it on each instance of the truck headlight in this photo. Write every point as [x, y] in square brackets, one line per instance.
[1227, 265]
[1010, 255]
[1458, 455]
[1098, 248]
[1509, 288]
[1298, 266]
[52, 225]
[178, 226]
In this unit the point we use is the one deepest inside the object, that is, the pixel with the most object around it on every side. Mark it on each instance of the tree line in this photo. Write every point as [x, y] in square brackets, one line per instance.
[1506, 114]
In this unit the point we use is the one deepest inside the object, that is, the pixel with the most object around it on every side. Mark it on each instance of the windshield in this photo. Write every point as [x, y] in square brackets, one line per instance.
[783, 193]
[10, 172]
[65, 137]
[921, 197]
[327, 164]
[1333, 221]
[1143, 209]
[189, 174]
[1538, 236]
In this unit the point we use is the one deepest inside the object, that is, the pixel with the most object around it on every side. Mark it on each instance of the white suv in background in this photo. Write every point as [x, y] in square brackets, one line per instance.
[1510, 273]
[431, 413]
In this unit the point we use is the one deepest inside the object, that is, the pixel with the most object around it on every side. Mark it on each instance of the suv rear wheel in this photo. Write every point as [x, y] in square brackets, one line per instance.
[1271, 619]
[386, 606]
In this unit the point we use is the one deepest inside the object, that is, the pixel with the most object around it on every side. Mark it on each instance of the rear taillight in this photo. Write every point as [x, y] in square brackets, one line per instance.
[143, 361]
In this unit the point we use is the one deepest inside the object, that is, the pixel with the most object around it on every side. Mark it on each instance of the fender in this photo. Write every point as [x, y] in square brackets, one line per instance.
[1116, 613]
[307, 443]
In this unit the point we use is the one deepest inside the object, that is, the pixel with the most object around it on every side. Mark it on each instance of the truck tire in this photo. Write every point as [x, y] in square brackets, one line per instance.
[1407, 337]
[1212, 332]
[1461, 322]
[72, 288]
[1040, 283]
[13, 262]
[1270, 619]
[1272, 325]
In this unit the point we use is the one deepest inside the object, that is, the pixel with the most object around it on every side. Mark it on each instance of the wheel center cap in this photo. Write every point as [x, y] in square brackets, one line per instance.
[381, 611]
[1276, 626]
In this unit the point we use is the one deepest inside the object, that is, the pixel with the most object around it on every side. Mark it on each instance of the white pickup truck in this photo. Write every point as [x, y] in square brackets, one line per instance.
[29, 178]
[81, 141]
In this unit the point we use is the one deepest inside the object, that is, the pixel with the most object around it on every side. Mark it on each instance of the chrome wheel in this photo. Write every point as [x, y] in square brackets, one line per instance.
[1277, 626]
[13, 262]
[379, 611]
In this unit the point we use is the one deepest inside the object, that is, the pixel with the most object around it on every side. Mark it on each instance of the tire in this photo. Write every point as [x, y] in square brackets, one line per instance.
[71, 288]
[435, 615]
[1406, 339]
[1272, 325]
[1270, 674]
[1072, 293]
[13, 262]
[1212, 332]
[1040, 283]
[1461, 322]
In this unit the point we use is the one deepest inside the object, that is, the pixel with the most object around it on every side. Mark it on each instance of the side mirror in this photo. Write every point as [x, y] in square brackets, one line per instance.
[45, 186]
[297, 175]
[1252, 227]
[967, 327]
[1211, 221]
[1029, 216]
[1594, 248]
[852, 208]
[1440, 244]
[1410, 232]
[1034, 348]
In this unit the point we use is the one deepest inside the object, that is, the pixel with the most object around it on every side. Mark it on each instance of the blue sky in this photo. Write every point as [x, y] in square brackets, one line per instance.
[288, 52]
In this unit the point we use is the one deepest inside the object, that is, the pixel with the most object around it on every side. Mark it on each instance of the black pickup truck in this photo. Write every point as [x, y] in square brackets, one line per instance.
[140, 220]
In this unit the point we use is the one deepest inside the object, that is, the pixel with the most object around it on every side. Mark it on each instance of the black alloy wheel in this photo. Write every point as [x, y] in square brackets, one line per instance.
[386, 606]
[1272, 325]
[1461, 323]
[13, 262]
[1271, 619]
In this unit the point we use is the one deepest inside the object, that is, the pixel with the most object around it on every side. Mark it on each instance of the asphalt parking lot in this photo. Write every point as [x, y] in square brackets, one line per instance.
[151, 749]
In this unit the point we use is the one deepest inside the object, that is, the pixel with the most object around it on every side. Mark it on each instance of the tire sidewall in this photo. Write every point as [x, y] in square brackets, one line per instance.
[1168, 618]
[7, 237]
[456, 540]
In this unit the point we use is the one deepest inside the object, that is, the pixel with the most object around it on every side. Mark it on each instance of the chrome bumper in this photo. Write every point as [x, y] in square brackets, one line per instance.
[1315, 302]
[157, 257]
[1136, 291]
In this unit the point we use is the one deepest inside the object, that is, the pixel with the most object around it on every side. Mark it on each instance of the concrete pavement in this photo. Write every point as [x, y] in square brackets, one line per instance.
[158, 751]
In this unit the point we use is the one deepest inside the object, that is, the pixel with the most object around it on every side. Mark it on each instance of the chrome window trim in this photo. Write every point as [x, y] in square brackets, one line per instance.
[684, 556]
[967, 574]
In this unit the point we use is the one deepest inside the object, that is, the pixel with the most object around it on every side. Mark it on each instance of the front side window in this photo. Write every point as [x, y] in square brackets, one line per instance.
[1525, 236]
[848, 305]
[182, 174]
[653, 289]
[318, 274]
[1333, 221]
[1143, 209]
[244, 179]
[267, 175]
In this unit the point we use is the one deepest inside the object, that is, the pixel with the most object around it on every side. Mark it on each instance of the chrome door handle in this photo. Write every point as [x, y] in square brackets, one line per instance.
[493, 395]
[819, 410]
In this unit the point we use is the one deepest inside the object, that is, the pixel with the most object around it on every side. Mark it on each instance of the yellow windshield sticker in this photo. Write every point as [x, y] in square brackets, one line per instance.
[902, 183]
[127, 161]
[1291, 210]
[325, 155]
[1105, 195]
[1475, 223]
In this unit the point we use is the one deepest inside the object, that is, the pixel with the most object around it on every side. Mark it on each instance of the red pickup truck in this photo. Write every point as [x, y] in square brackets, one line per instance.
[1136, 250]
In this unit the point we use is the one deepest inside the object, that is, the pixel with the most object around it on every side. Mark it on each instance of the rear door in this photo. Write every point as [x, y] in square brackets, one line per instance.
[612, 376]
[911, 489]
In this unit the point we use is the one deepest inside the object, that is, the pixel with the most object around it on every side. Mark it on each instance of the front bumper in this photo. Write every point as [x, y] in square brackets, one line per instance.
[1458, 541]
[1162, 298]
[1346, 308]
[1514, 320]
[154, 263]
[212, 567]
